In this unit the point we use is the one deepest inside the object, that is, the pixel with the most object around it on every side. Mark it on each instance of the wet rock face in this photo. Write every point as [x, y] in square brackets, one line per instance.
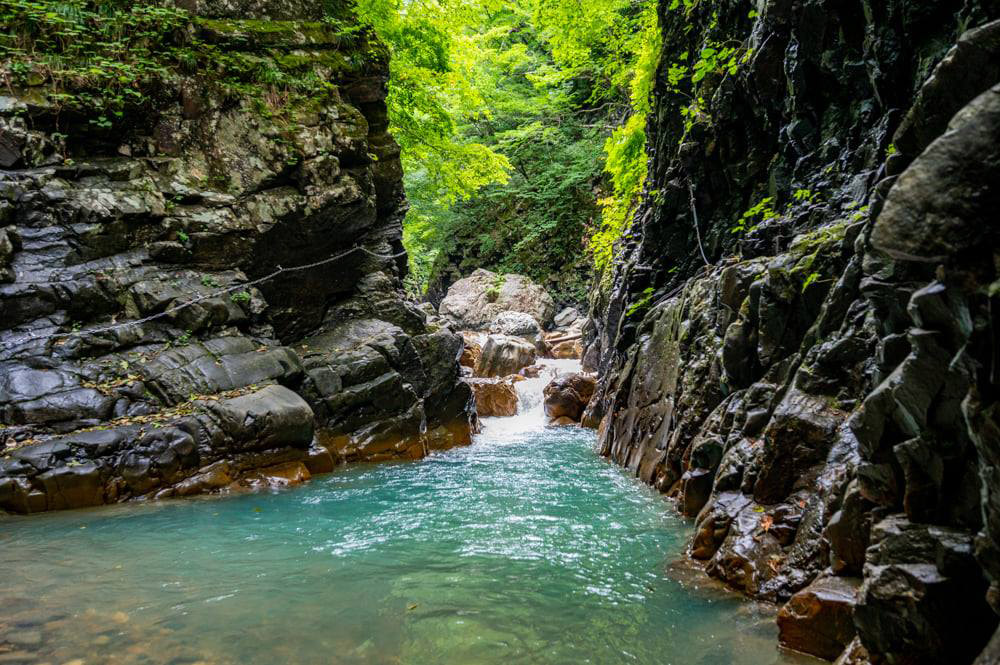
[133, 361]
[819, 620]
[494, 397]
[826, 406]
[503, 355]
[567, 396]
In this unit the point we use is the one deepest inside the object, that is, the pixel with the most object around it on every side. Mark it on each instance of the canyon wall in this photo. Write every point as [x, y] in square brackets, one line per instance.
[799, 341]
[207, 294]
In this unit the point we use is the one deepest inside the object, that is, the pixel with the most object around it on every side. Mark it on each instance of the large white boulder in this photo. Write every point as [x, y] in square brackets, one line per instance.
[473, 303]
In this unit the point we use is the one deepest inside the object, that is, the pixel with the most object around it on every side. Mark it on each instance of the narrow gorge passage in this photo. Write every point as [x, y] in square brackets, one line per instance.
[525, 547]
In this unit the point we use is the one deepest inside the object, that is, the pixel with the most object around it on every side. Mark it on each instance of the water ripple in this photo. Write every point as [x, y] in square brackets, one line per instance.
[524, 548]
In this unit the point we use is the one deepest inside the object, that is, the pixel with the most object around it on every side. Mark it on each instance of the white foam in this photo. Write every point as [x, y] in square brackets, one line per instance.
[530, 402]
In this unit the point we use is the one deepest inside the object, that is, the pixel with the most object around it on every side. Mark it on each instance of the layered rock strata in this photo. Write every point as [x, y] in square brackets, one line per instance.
[133, 360]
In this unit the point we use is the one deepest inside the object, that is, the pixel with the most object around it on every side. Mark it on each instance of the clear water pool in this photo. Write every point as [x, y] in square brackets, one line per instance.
[524, 548]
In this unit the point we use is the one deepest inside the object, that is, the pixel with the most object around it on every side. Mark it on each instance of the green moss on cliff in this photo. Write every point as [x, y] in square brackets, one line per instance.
[111, 61]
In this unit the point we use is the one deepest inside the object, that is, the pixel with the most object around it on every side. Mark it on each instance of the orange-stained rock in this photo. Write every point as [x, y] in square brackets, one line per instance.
[281, 475]
[213, 477]
[494, 397]
[819, 620]
[319, 460]
[470, 354]
[456, 433]
[568, 350]
[568, 395]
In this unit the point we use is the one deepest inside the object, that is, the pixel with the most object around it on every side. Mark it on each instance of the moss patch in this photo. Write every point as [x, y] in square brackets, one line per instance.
[112, 62]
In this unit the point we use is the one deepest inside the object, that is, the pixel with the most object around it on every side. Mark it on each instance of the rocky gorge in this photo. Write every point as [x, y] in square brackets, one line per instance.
[796, 341]
[815, 379]
[210, 296]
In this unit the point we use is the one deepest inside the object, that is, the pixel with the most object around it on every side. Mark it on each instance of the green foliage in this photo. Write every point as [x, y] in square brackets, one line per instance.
[434, 90]
[493, 292]
[240, 297]
[805, 196]
[694, 78]
[98, 56]
[752, 218]
[642, 303]
[810, 280]
[625, 150]
[502, 110]
[108, 60]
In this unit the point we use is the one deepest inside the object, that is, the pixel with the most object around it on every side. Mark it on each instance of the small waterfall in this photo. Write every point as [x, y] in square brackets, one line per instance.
[530, 401]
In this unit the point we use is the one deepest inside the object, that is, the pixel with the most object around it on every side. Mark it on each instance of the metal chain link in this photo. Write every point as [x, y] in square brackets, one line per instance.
[31, 337]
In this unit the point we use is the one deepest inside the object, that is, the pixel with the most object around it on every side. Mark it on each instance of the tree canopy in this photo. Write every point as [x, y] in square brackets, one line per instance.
[522, 128]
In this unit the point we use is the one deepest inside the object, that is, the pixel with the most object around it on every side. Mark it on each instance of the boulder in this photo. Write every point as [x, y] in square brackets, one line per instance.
[503, 355]
[819, 620]
[517, 324]
[475, 301]
[567, 350]
[567, 316]
[273, 417]
[921, 588]
[471, 354]
[567, 396]
[494, 397]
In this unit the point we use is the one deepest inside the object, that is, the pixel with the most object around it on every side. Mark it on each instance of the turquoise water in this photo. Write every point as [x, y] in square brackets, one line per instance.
[524, 548]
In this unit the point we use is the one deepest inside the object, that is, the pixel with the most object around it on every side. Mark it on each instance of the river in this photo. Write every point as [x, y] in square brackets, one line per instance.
[525, 547]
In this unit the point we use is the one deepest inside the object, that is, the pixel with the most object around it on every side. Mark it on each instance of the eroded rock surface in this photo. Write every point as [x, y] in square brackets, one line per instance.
[494, 397]
[132, 361]
[823, 398]
[566, 397]
[503, 355]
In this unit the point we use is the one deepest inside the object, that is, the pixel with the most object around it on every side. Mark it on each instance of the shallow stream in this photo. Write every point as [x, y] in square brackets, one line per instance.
[523, 548]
